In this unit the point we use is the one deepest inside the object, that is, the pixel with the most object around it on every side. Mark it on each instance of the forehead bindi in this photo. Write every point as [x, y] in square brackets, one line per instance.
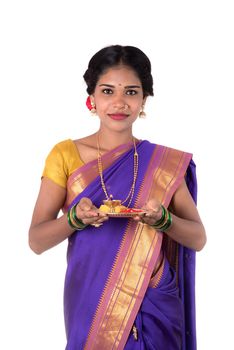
[120, 77]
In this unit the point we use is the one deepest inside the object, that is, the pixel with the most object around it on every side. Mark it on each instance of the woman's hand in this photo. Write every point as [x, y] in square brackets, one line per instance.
[89, 214]
[186, 228]
[153, 212]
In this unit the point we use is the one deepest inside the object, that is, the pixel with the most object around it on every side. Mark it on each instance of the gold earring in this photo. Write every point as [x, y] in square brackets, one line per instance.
[93, 109]
[142, 114]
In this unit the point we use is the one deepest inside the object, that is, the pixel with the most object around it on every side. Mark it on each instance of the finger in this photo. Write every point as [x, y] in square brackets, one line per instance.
[150, 214]
[91, 221]
[137, 218]
[89, 214]
[100, 219]
[102, 214]
[85, 215]
[85, 208]
[156, 214]
[96, 225]
[85, 204]
[155, 210]
[149, 221]
[153, 203]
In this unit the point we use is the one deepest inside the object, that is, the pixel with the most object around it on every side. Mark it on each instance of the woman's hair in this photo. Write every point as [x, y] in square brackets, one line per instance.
[115, 55]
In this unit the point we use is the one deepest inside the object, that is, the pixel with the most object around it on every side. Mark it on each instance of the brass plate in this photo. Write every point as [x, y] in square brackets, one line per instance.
[125, 215]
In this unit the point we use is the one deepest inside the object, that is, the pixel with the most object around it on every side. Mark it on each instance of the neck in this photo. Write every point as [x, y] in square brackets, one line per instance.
[111, 139]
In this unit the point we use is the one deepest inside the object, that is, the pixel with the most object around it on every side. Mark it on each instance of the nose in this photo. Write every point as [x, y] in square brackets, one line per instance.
[120, 104]
[123, 107]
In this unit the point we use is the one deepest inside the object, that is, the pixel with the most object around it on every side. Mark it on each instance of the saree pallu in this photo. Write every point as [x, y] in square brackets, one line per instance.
[128, 286]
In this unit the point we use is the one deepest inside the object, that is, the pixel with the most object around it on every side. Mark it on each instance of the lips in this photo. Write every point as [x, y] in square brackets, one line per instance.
[118, 116]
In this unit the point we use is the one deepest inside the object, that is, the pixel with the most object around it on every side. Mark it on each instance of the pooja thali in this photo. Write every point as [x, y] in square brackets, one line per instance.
[131, 212]
[115, 209]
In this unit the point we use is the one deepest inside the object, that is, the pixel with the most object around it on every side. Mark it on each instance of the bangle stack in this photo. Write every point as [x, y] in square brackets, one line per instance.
[73, 220]
[164, 222]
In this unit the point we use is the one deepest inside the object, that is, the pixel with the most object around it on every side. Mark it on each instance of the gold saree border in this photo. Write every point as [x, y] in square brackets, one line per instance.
[125, 289]
[172, 166]
[166, 177]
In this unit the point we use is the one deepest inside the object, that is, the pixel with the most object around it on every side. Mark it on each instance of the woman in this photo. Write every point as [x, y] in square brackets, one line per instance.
[130, 280]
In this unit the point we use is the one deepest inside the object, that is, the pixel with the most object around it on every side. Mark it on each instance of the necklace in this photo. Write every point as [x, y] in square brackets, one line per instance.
[109, 198]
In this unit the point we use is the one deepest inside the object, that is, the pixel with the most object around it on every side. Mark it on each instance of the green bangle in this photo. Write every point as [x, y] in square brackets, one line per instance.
[161, 221]
[167, 224]
[78, 222]
[69, 220]
[73, 220]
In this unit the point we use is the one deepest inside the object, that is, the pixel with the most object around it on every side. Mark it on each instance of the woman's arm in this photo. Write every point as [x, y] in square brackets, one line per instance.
[187, 228]
[46, 229]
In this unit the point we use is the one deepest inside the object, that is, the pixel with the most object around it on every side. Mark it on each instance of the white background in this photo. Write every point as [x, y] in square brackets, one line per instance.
[45, 47]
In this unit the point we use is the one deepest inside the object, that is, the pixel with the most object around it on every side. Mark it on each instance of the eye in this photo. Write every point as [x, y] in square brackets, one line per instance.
[131, 92]
[107, 91]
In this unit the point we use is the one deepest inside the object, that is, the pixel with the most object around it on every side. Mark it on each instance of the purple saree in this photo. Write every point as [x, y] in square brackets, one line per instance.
[125, 274]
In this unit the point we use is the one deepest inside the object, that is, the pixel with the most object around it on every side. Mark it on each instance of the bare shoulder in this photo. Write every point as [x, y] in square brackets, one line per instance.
[87, 148]
[87, 141]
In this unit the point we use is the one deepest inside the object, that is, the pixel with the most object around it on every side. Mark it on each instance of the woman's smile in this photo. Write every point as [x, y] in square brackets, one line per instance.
[118, 116]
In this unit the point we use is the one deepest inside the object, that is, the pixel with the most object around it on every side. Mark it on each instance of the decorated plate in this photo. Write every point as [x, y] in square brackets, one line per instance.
[127, 213]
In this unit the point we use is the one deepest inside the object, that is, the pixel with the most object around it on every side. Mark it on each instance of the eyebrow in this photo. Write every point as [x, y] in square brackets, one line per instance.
[126, 87]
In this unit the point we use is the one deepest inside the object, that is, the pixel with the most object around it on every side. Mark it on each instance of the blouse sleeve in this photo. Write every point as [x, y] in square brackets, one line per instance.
[55, 167]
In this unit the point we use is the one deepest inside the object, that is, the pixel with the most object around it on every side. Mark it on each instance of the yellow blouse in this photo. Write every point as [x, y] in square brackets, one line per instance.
[61, 162]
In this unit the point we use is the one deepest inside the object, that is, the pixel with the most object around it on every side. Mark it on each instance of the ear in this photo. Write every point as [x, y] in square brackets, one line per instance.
[92, 99]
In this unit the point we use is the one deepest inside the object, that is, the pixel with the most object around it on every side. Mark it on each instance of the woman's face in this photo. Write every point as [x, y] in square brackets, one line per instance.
[118, 97]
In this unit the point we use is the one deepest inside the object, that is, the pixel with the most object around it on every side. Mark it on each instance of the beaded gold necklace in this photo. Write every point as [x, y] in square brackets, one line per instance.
[109, 198]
